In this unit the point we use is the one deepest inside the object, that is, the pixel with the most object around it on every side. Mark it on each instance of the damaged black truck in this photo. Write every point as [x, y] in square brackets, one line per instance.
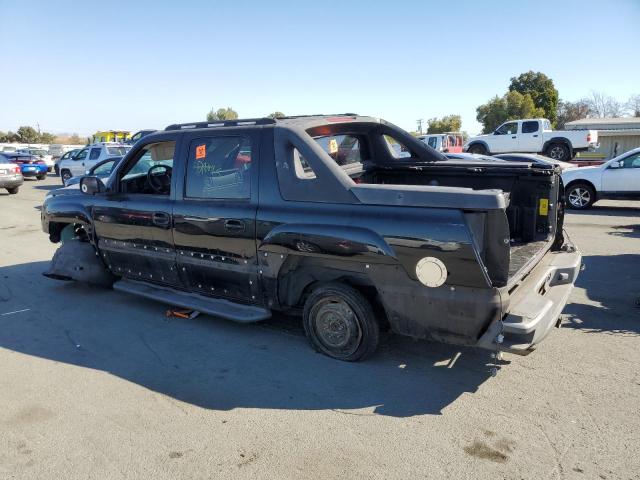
[348, 221]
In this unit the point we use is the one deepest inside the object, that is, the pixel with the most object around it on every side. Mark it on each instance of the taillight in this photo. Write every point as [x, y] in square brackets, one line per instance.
[588, 137]
[16, 170]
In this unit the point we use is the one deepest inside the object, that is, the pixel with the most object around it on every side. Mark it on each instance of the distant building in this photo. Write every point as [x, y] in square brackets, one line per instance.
[615, 135]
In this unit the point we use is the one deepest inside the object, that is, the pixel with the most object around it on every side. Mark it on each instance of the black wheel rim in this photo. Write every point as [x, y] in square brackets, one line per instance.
[336, 327]
[557, 153]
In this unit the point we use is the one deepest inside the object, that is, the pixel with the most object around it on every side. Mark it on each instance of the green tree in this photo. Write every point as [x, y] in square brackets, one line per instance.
[541, 89]
[449, 123]
[47, 138]
[570, 111]
[28, 135]
[511, 106]
[276, 114]
[222, 114]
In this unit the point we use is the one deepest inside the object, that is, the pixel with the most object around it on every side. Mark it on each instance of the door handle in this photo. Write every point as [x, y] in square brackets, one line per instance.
[160, 218]
[234, 225]
[536, 135]
[514, 136]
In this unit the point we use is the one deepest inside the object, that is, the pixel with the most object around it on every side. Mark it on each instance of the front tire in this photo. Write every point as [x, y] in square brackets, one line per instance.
[559, 152]
[340, 322]
[13, 191]
[580, 196]
[65, 175]
[478, 149]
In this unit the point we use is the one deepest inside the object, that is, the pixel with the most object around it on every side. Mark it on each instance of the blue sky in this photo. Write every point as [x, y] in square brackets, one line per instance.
[84, 66]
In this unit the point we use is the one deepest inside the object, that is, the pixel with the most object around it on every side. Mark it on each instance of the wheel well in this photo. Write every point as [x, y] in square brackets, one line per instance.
[55, 231]
[586, 182]
[561, 140]
[299, 282]
[482, 144]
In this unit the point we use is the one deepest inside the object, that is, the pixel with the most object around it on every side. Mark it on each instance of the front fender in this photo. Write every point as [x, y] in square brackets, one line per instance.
[57, 212]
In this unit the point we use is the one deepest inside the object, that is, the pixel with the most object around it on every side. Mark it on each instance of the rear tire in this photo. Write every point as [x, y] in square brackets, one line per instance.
[41, 177]
[65, 175]
[13, 191]
[559, 152]
[478, 149]
[340, 322]
[580, 196]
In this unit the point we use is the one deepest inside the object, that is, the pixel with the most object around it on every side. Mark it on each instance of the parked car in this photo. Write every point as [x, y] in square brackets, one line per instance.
[10, 175]
[532, 157]
[533, 135]
[354, 248]
[101, 170]
[619, 178]
[444, 142]
[137, 136]
[65, 156]
[30, 166]
[88, 157]
[41, 154]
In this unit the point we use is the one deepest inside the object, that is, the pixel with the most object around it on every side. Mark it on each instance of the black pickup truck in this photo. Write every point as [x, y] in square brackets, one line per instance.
[346, 220]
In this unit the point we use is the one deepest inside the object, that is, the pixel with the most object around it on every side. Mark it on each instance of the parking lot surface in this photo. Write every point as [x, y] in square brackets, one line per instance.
[98, 384]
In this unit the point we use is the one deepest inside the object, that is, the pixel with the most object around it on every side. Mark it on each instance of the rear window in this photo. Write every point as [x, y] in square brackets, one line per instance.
[120, 151]
[344, 149]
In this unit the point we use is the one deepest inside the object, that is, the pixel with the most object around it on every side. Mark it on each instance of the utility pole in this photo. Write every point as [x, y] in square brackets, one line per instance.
[420, 120]
[38, 124]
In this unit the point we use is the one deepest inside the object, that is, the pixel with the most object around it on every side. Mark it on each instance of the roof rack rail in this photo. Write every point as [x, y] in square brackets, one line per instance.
[239, 122]
[287, 117]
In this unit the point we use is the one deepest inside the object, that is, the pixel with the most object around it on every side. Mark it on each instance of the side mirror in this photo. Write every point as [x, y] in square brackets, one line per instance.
[616, 164]
[92, 185]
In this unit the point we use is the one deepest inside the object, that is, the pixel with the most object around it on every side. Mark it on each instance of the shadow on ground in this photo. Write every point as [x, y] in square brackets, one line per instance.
[48, 187]
[612, 284]
[218, 364]
[606, 210]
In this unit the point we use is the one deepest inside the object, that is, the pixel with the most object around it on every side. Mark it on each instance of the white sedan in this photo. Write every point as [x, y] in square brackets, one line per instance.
[618, 178]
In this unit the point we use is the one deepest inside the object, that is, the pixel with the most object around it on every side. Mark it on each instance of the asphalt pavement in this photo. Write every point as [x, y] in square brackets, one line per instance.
[98, 384]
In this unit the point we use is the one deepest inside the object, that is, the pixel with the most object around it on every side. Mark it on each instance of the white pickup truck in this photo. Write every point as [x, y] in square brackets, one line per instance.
[533, 135]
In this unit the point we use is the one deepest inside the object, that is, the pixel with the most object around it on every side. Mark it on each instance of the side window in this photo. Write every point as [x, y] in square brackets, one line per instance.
[396, 149]
[510, 128]
[632, 161]
[82, 154]
[95, 154]
[433, 142]
[219, 167]
[302, 167]
[529, 127]
[159, 155]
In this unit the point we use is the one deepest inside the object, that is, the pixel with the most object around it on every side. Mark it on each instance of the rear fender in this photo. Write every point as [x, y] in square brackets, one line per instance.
[294, 256]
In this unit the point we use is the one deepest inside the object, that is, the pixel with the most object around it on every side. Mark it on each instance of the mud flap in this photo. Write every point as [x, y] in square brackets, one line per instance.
[77, 260]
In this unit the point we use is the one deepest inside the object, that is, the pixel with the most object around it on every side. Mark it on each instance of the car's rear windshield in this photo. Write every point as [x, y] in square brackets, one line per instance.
[120, 151]
[345, 149]
[38, 152]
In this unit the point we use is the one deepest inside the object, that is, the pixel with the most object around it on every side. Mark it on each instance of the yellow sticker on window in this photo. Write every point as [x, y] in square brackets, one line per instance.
[333, 146]
[544, 206]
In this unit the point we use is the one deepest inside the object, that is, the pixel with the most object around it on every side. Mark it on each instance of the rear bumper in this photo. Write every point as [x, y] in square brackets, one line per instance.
[34, 173]
[534, 307]
[11, 182]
